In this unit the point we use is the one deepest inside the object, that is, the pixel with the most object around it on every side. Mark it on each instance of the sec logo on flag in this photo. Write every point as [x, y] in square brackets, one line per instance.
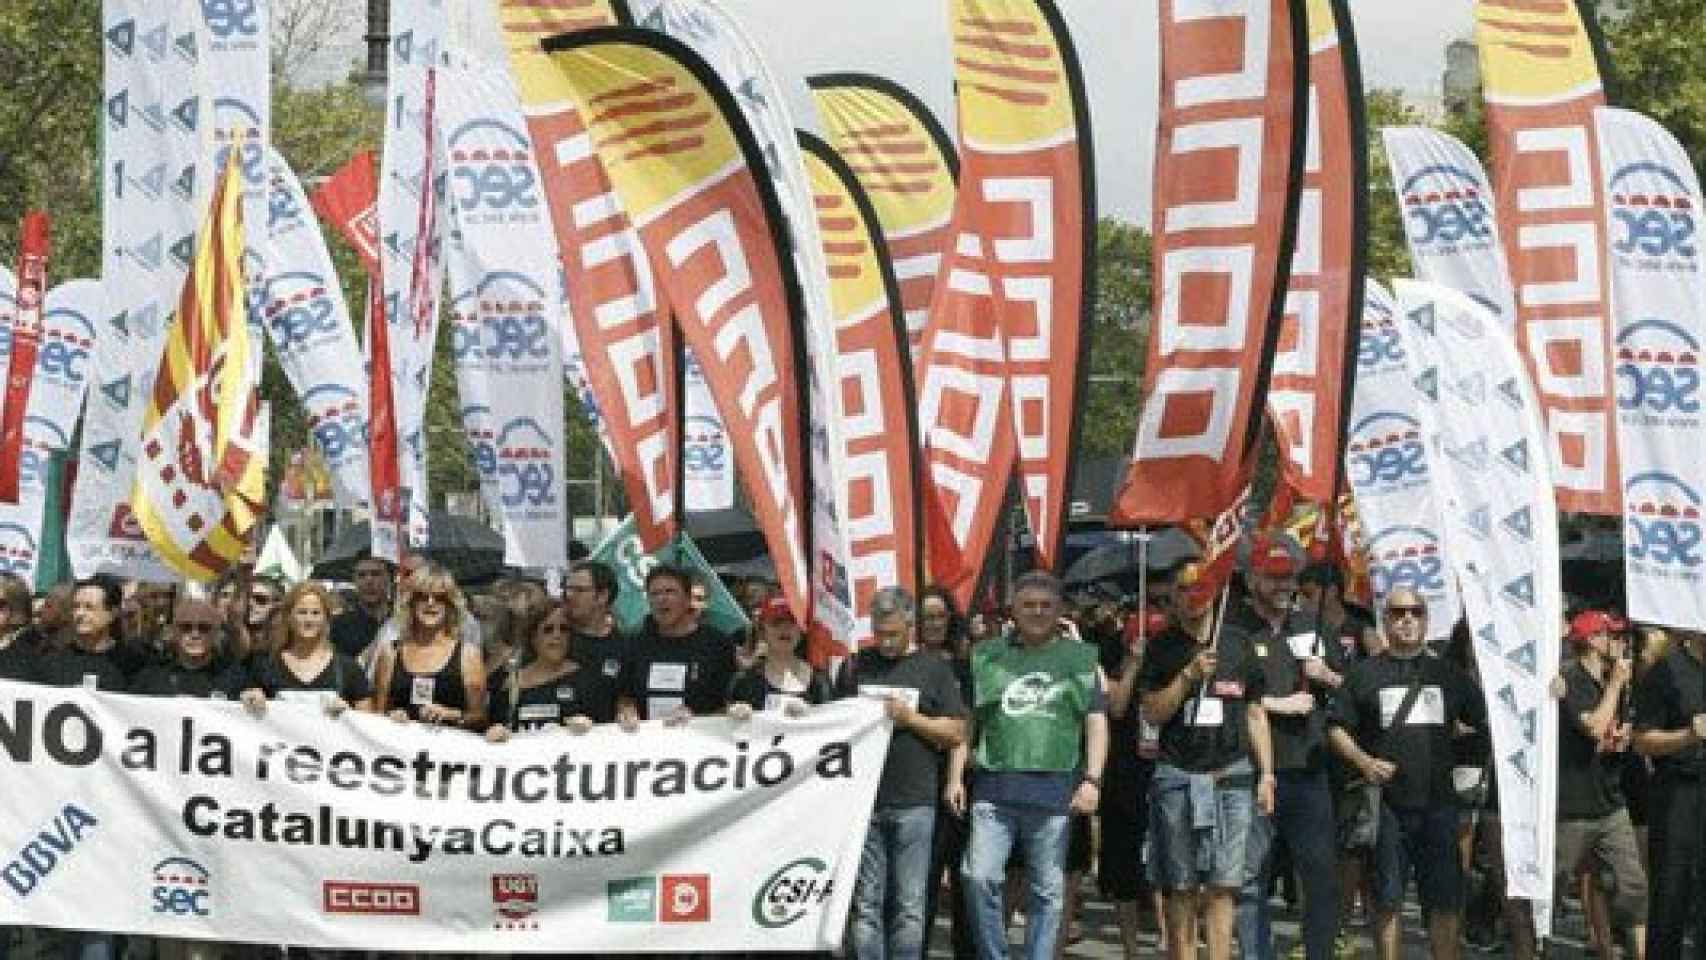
[686, 898]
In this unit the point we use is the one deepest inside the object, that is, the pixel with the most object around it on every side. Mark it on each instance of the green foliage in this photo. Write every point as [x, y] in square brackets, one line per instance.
[1659, 68]
[1118, 340]
[50, 102]
[1388, 251]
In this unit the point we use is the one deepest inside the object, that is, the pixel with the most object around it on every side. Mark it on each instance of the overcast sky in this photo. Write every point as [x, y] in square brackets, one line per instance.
[1402, 44]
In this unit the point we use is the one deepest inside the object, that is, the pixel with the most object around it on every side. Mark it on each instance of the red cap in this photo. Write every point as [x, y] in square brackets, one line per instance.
[1590, 622]
[1273, 558]
[774, 610]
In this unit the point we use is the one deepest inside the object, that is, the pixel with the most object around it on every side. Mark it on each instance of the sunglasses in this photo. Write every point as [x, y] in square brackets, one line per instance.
[261, 599]
[443, 598]
[1399, 612]
[190, 626]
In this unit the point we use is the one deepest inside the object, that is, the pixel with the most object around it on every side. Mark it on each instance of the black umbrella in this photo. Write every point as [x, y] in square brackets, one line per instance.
[470, 550]
[1118, 561]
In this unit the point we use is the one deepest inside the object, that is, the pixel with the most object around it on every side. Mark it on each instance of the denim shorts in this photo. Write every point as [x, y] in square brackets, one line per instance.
[1426, 840]
[1199, 836]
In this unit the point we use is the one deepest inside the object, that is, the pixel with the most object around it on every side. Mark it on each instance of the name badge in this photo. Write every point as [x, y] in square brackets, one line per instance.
[1204, 712]
[538, 713]
[612, 668]
[1302, 645]
[880, 691]
[1233, 689]
[780, 701]
[659, 707]
[668, 676]
[420, 691]
[1428, 710]
[1148, 738]
[566, 692]
[91, 681]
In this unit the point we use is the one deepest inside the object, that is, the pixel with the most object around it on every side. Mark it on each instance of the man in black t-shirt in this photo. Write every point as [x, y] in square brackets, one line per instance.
[354, 629]
[677, 668]
[1393, 722]
[929, 719]
[1670, 729]
[587, 594]
[1592, 737]
[1300, 669]
[1214, 776]
[94, 658]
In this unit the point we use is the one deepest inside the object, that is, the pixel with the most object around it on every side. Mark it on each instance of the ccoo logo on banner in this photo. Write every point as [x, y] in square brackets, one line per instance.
[1659, 294]
[1501, 535]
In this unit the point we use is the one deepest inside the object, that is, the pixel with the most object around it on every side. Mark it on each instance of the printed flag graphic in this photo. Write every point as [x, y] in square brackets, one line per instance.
[199, 482]
[34, 246]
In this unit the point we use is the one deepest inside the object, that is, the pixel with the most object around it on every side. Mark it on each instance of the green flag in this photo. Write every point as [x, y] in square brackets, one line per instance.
[622, 551]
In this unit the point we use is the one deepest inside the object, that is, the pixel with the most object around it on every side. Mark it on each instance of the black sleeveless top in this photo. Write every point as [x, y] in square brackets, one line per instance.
[585, 692]
[411, 691]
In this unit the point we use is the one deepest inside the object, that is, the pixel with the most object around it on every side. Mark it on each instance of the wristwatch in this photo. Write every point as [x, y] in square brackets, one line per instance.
[1094, 781]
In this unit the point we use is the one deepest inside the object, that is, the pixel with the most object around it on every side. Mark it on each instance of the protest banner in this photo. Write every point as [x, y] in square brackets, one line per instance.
[172, 815]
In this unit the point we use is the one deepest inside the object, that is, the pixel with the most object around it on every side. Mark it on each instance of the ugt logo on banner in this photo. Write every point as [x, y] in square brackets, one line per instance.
[1662, 522]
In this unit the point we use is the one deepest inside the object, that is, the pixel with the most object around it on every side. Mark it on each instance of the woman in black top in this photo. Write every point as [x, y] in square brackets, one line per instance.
[300, 662]
[431, 676]
[550, 689]
[192, 646]
[780, 679]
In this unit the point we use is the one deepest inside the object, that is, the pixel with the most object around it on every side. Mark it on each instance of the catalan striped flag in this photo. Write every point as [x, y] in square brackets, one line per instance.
[199, 485]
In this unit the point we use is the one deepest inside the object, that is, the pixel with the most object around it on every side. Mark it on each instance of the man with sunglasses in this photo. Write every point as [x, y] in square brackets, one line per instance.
[1393, 721]
[1670, 730]
[192, 648]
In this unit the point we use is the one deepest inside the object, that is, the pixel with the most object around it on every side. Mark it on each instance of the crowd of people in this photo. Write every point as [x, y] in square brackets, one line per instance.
[1206, 751]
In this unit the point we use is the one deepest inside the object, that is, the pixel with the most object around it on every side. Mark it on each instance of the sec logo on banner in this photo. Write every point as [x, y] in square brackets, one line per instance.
[1407, 557]
[1662, 525]
[299, 311]
[492, 178]
[1384, 453]
[525, 476]
[17, 550]
[1445, 211]
[1658, 369]
[1653, 219]
[335, 420]
[503, 321]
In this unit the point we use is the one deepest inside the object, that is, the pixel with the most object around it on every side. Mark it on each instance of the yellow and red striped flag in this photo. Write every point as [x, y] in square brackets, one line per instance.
[200, 482]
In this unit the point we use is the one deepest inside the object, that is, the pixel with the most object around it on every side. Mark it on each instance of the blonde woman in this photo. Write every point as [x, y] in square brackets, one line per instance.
[431, 676]
[300, 663]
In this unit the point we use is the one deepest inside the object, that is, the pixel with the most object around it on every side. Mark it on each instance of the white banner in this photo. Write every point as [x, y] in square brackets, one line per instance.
[1386, 463]
[1658, 295]
[1447, 204]
[709, 468]
[56, 398]
[418, 31]
[155, 186]
[186, 818]
[308, 322]
[508, 308]
[1495, 484]
[715, 35]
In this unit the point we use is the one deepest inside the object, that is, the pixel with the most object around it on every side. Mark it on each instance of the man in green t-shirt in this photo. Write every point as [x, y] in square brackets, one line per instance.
[1039, 743]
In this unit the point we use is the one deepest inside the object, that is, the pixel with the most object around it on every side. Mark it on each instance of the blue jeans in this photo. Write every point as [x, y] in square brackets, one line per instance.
[1042, 837]
[1303, 818]
[894, 877]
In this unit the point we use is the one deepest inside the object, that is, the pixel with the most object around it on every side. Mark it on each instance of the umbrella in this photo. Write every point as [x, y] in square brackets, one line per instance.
[470, 550]
[760, 567]
[1118, 561]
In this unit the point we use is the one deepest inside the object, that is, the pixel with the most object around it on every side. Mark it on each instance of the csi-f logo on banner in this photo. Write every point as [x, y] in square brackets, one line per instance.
[1653, 220]
[1658, 370]
[792, 891]
[492, 172]
[1445, 210]
[1662, 523]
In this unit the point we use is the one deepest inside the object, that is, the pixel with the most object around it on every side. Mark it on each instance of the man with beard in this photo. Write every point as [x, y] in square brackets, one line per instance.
[677, 667]
[1300, 669]
[1393, 722]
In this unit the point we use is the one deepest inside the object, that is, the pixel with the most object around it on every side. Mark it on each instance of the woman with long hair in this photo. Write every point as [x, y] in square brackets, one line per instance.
[299, 661]
[551, 689]
[781, 679]
[431, 676]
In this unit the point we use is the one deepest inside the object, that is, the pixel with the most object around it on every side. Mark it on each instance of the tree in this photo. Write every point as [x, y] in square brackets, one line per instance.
[1118, 340]
[1388, 249]
[1658, 67]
